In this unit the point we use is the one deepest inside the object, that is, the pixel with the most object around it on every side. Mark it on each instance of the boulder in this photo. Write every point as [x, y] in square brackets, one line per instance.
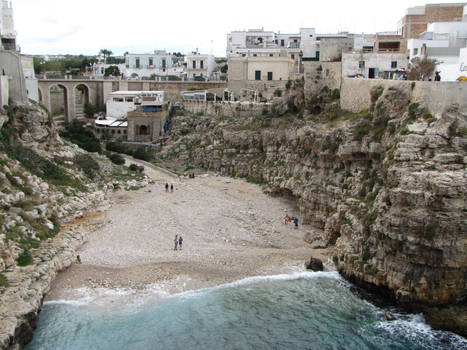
[315, 265]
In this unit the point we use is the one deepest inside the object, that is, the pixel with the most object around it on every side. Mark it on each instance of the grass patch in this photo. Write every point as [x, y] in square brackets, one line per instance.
[3, 281]
[24, 259]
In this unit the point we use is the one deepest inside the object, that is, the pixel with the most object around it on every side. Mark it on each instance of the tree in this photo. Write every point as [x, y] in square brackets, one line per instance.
[112, 70]
[224, 68]
[105, 53]
[421, 68]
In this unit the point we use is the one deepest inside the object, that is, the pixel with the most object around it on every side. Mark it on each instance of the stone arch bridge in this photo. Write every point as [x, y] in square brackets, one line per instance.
[72, 94]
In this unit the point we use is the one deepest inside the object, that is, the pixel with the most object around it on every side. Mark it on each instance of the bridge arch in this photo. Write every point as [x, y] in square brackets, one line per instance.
[82, 96]
[59, 102]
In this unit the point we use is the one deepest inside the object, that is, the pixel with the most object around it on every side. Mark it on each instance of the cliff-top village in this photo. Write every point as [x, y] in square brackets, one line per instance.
[316, 179]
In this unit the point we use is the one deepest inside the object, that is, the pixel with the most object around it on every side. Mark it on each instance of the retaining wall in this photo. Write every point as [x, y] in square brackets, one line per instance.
[437, 96]
[230, 109]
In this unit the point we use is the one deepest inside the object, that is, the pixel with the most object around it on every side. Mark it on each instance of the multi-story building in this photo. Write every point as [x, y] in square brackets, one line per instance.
[199, 66]
[7, 29]
[443, 42]
[416, 19]
[260, 43]
[147, 65]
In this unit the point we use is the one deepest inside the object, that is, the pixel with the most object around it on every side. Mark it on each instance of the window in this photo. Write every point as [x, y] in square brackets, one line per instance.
[243, 55]
[394, 64]
[118, 99]
[164, 63]
[270, 55]
[151, 62]
[254, 55]
[269, 75]
[415, 52]
[137, 62]
[282, 42]
[361, 64]
[129, 99]
[292, 56]
[194, 64]
[257, 75]
[201, 64]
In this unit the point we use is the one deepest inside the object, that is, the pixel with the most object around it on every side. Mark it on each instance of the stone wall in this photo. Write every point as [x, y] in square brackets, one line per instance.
[437, 96]
[10, 62]
[230, 109]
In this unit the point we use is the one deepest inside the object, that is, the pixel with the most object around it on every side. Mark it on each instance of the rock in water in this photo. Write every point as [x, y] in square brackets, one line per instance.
[315, 264]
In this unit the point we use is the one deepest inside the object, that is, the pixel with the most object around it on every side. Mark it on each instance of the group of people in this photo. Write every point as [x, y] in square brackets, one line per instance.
[167, 187]
[288, 220]
[178, 241]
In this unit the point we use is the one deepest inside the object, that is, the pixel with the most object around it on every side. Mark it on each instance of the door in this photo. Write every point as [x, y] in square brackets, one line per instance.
[371, 73]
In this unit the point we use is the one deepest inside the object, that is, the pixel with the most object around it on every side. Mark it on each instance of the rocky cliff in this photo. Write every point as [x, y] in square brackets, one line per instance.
[44, 182]
[385, 187]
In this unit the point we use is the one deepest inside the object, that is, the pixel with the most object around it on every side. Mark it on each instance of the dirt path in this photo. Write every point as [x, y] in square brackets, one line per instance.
[230, 228]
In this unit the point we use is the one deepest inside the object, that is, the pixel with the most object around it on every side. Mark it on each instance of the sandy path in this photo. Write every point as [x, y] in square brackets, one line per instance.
[230, 228]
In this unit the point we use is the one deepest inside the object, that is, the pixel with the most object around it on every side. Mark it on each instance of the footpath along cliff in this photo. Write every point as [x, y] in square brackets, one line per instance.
[384, 187]
[45, 183]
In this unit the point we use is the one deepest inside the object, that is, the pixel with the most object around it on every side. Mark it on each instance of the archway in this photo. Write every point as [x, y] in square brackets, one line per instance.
[59, 103]
[81, 94]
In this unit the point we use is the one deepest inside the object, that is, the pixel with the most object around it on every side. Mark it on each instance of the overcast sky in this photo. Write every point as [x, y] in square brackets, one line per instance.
[142, 26]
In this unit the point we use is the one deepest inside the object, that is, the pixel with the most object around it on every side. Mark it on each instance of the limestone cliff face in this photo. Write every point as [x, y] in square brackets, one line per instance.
[385, 187]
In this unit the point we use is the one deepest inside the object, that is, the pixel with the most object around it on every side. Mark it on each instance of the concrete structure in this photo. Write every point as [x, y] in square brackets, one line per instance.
[96, 92]
[437, 96]
[260, 43]
[32, 84]
[198, 95]
[373, 65]
[145, 126]
[109, 129]
[11, 66]
[4, 93]
[416, 19]
[146, 65]
[7, 28]
[261, 74]
[386, 42]
[120, 103]
[199, 66]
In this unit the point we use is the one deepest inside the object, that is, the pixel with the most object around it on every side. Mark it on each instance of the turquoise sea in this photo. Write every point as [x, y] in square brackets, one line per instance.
[299, 311]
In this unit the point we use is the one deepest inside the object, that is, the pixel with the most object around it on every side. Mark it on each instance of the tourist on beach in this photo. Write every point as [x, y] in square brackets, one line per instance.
[437, 76]
[166, 187]
[78, 259]
[180, 242]
[171, 187]
[295, 221]
[176, 242]
[286, 219]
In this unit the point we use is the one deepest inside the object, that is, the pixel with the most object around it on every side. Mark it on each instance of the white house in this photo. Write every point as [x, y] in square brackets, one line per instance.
[261, 43]
[147, 65]
[199, 66]
[120, 103]
[373, 65]
[443, 41]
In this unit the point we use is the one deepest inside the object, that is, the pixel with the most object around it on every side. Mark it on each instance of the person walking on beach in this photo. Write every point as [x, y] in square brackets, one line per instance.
[176, 242]
[295, 221]
[171, 187]
[180, 242]
[166, 187]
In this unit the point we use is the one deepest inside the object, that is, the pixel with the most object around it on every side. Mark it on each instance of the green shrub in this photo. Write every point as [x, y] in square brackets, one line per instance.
[76, 133]
[3, 281]
[361, 130]
[141, 153]
[336, 94]
[87, 164]
[278, 92]
[24, 259]
[116, 159]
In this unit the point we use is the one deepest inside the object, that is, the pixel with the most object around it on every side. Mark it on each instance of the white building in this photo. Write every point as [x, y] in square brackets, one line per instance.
[120, 103]
[7, 28]
[32, 84]
[258, 42]
[443, 42]
[373, 65]
[148, 65]
[199, 66]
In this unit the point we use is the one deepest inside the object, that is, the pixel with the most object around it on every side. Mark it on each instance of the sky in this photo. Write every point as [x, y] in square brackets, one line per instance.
[142, 26]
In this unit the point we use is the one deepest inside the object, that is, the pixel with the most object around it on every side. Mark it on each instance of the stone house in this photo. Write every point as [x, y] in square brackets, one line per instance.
[373, 65]
[147, 124]
[260, 74]
[199, 66]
